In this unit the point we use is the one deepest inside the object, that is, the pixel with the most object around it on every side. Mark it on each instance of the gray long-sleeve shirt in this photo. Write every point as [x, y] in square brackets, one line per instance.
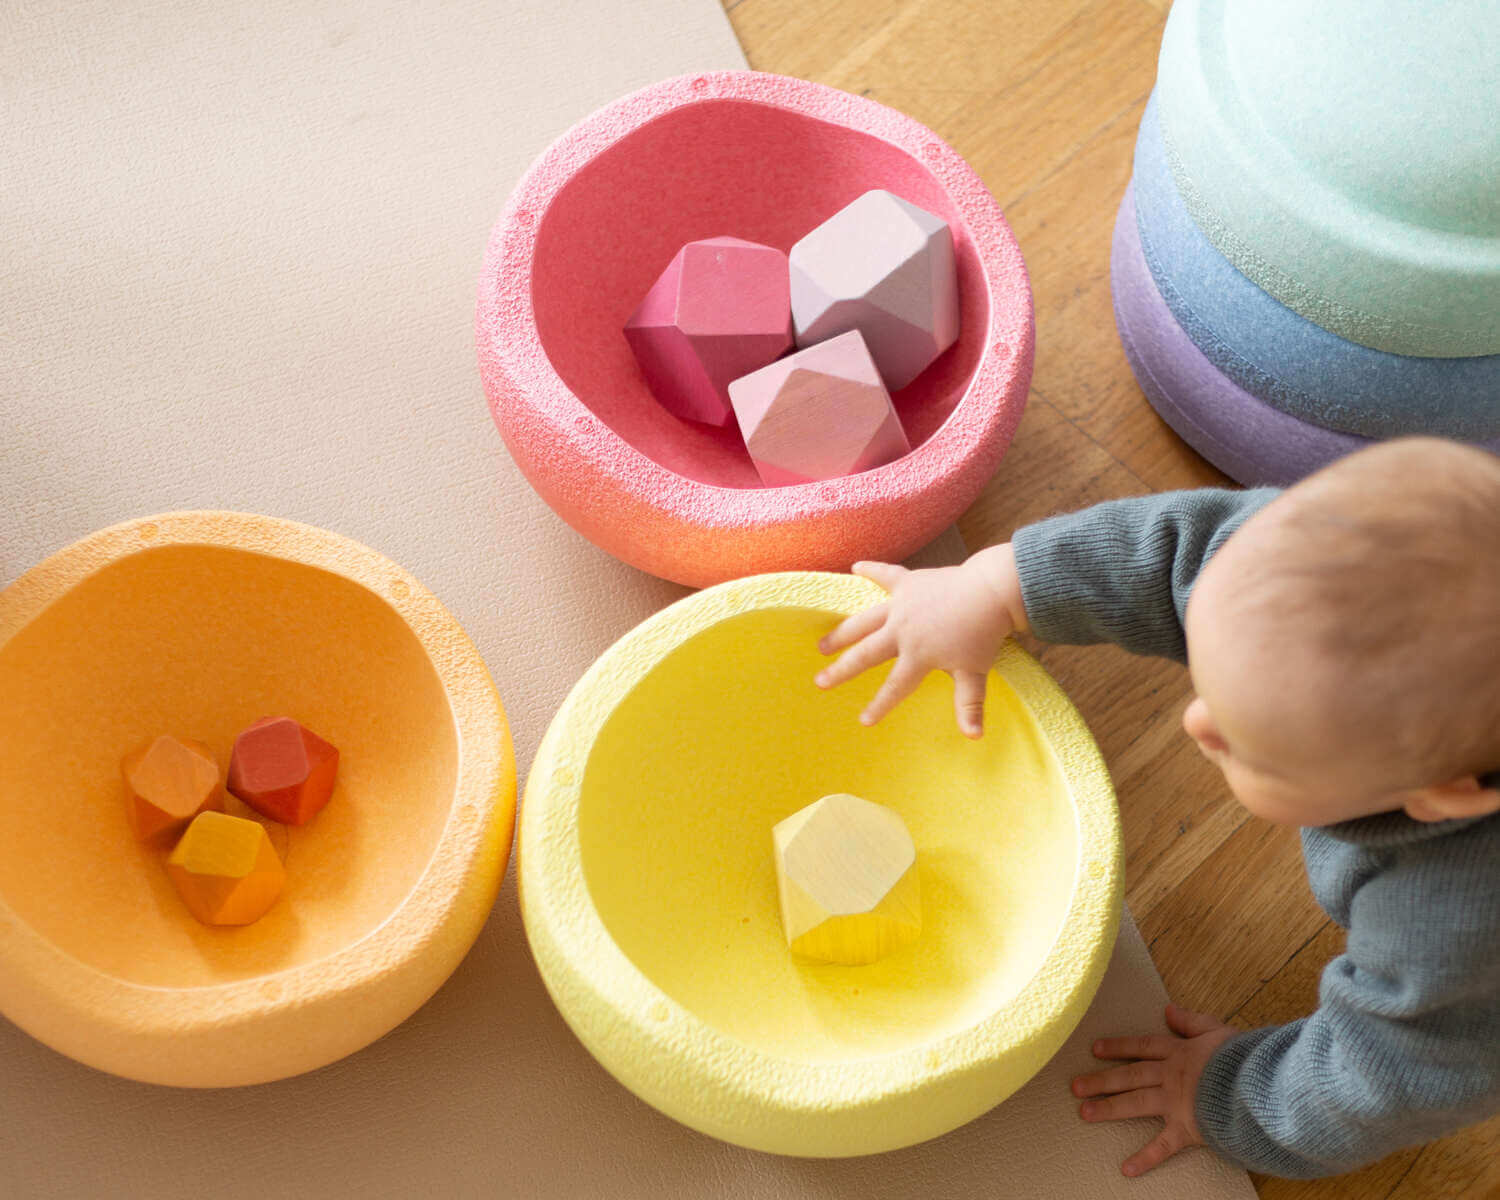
[1405, 1043]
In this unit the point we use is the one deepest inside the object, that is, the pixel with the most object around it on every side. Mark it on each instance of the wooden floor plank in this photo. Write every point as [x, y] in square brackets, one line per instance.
[1017, 127]
[1466, 1164]
[1234, 920]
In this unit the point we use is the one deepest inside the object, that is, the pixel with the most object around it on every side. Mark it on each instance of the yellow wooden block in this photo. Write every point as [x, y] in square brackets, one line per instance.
[226, 870]
[846, 870]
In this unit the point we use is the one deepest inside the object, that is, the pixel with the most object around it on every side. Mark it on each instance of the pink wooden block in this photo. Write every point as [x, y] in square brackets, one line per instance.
[885, 267]
[818, 414]
[721, 308]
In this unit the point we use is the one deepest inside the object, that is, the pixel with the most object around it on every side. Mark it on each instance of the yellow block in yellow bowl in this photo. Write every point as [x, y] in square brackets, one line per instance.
[649, 888]
[198, 624]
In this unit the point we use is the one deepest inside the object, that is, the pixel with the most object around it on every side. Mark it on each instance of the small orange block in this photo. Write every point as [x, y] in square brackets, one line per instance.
[169, 781]
[226, 870]
[283, 770]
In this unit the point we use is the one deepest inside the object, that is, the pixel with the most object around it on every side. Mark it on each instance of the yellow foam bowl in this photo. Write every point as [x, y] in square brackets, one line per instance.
[197, 624]
[648, 881]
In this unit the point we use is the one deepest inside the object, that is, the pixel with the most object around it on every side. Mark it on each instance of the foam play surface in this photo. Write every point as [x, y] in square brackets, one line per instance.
[586, 232]
[242, 266]
[1279, 355]
[711, 868]
[202, 621]
[1239, 433]
[1363, 198]
[123, 923]
[684, 989]
[1244, 436]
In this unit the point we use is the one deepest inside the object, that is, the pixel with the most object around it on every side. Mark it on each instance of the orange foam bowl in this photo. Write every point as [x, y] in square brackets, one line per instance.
[767, 158]
[197, 624]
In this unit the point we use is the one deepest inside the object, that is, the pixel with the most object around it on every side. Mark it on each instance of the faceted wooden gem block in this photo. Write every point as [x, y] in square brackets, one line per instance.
[283, 770]
[818, 414]
[720, 309]
[885, 267]
[846, 871]
[168, 782]
[226, 870]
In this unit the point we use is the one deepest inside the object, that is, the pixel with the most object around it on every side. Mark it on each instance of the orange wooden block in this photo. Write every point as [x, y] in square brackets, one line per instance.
[226, 870]
[169, 781]
[283, 770]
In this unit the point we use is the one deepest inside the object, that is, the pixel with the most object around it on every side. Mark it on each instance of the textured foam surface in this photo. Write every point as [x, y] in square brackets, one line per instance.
[1343, 155]
[582, 238]
[1239, 433]
[198, 621]
[1275, 353]
[685, 991]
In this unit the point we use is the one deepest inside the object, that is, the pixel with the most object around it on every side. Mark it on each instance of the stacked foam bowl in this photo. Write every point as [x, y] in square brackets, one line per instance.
[1308, 256]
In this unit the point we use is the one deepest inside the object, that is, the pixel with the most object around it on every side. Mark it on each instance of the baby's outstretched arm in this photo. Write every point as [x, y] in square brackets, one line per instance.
[1118, 572]
[949, 618]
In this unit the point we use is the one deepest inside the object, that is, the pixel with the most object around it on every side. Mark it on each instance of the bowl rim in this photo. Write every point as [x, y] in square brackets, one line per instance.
[588, 974]
[482, 807]
[985, 415]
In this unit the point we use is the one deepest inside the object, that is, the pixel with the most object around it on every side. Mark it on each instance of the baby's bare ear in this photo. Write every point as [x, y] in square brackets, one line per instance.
[1463, 797]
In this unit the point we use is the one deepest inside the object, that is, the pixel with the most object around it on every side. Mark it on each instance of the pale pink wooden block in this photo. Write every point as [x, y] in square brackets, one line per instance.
[721, 308]
[818, 414]
[885, 267]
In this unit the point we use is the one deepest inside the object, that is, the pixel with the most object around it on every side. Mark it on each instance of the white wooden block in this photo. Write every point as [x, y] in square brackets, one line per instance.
[885, 267]
[847, 874]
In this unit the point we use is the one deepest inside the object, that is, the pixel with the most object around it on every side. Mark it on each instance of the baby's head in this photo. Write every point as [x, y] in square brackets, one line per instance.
[1345, 641]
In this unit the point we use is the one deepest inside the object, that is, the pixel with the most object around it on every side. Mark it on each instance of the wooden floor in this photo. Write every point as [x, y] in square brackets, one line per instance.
[1043, 98]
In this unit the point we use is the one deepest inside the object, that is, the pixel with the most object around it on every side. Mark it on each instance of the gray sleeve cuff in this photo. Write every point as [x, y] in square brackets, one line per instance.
[1221, 1111]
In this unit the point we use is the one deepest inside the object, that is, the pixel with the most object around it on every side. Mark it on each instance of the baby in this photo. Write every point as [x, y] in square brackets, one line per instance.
[1343, 638]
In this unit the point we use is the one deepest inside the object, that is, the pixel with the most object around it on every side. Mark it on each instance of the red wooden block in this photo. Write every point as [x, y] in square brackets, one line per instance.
[283, 770]
[721, 309]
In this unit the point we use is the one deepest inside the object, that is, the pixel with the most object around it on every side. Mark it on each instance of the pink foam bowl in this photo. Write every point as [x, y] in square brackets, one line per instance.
[765, 158]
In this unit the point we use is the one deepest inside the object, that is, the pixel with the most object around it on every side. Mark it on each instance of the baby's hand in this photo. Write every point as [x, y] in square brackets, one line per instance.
[1162, 1081]
[952, 619]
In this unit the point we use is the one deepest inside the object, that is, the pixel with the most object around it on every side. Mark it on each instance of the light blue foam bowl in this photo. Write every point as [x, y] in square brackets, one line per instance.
[1282, 357]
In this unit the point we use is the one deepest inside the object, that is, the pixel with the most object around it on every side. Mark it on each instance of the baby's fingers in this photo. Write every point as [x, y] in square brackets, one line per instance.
[1144, 1102]
[1155, 1152]
[1145, 1073]
[874, 649]
[1135, 1047]
[968, 701]
[887, 575]
[1189, 1023]
[898, 685]
[852, 629]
